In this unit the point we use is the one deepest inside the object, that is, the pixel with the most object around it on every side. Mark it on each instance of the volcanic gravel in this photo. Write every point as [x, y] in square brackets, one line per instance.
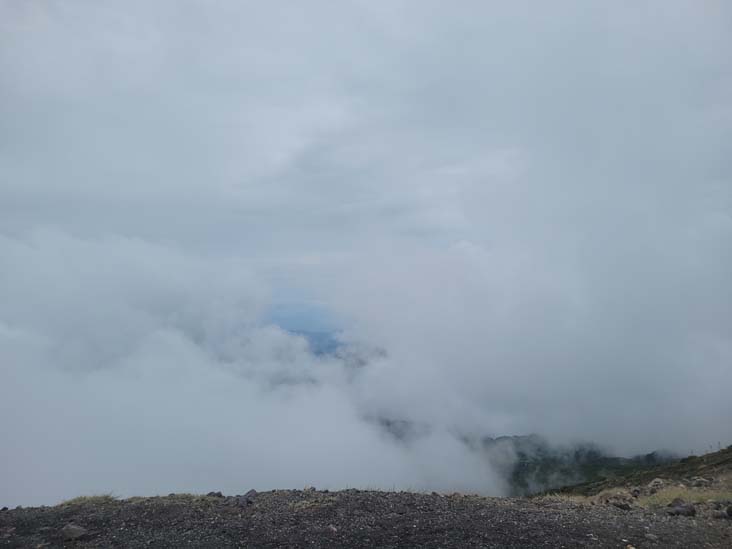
[351, 518]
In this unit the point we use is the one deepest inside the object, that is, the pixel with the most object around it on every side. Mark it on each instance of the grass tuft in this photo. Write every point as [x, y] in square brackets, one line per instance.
[90, 500]
[559, 497]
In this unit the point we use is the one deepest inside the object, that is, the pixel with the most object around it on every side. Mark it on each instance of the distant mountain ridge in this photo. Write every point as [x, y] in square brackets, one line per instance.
[532, 464]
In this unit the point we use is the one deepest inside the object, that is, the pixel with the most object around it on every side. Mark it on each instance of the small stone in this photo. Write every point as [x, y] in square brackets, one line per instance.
[651, 537]
[215, 495]
[729, 511]
[72, 531]
[332, 528]
[4, 509]
[720, 515]
[251, 493]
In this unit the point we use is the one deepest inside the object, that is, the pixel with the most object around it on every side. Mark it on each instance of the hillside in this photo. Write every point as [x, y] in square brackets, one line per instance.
[715, 467]
[534, 465]
[351, 518]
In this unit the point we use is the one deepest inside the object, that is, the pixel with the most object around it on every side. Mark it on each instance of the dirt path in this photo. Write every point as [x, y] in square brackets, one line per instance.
[351, 518]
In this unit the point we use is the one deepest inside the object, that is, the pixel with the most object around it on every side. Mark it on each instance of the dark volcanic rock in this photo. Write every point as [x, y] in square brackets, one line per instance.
[239, 501]
[682, 510]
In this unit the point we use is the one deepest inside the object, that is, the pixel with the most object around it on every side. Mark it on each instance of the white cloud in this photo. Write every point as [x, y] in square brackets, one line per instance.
[529, 209]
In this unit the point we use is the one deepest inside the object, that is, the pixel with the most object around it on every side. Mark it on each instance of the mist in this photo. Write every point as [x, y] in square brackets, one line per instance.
[510, 219]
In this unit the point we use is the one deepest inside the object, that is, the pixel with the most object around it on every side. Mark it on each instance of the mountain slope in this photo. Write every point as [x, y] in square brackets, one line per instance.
[708, 466]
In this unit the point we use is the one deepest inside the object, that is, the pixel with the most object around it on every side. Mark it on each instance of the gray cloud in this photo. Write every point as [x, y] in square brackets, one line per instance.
[529, 210]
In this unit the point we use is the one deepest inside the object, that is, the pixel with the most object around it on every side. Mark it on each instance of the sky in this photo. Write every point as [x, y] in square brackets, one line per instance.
[514, 217]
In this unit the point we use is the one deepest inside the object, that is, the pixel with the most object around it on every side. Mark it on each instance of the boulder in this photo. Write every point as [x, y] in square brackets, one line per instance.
[620, 500]
[620, 504]
[682, 510]
[238, 501]
[655, 485]
[700, 482]
[72, 531]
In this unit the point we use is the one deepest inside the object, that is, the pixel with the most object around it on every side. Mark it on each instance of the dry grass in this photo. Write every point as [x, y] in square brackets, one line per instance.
[307, 504]
[721, 492]
[693, 495]
[90, 500]
[563, 498]
[109, 498]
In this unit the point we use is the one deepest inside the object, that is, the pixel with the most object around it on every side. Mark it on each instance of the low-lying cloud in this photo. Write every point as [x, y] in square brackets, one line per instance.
[131, 368]
[519, 220]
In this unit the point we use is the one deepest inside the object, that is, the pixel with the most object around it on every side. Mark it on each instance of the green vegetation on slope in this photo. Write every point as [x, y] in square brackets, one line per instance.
[709, 465]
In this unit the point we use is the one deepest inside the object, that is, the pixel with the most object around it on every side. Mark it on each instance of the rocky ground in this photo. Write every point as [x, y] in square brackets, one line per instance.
[354, 518]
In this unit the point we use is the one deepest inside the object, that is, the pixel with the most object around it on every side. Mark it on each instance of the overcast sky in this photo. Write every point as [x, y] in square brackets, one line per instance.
[518, 215]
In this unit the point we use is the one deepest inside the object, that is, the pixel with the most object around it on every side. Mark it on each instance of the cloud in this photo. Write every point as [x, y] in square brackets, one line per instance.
[134, 368]
[518, 217]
